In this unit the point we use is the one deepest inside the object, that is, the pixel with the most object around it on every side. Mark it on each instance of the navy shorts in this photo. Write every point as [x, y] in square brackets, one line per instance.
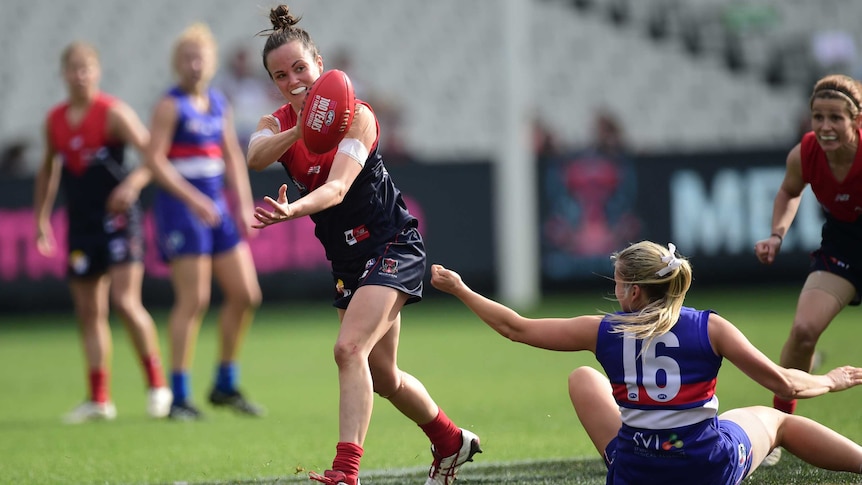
[399, 264]
[717, 452]
[827, 259]
[119, 241]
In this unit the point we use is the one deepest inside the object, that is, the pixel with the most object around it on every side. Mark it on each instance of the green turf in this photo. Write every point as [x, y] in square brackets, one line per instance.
[513, 396]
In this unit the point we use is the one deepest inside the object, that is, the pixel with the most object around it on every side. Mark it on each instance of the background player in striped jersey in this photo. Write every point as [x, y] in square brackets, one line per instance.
[85, 140]
[655, 417]
[194, 155]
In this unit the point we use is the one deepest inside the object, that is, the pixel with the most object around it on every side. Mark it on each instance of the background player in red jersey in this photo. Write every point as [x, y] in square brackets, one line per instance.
[376, 251]
[655, 417]
[195, 155]
[828, 159]
[85, 139]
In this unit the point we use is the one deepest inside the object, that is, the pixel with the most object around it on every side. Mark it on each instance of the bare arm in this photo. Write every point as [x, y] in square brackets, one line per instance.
[47, 183]
[161, 133]
[236, 174]
[784, 207]
[729, 341]
[341, 176]
[125, 125]
[563, 334]
[263, 151]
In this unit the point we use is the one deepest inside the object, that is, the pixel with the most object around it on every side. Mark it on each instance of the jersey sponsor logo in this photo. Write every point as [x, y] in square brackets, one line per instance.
[842, 197]
[356, 235]
[314, 169]
[657, 442]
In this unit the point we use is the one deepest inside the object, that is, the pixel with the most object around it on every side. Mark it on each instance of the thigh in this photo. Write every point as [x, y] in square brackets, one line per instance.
[592, 398]
[126, 280]
[372, 312]
[760, 425]
[191, 278]
[823, 296]
[236, 275]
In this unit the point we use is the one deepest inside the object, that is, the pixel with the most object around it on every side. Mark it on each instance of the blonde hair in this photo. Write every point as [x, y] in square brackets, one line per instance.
[78, 46]
[197, 33]
[663, 276]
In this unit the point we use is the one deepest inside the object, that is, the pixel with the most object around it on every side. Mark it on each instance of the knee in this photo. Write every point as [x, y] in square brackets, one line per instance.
[585, 381]
[806, 332]
[347, 354]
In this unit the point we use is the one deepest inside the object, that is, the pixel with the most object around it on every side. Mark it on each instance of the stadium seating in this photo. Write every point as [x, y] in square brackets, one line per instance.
[441, 62]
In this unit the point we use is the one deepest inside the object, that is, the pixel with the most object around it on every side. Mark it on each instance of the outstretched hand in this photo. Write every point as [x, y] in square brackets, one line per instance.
[845, 377]
[445, 280]
[281, 210]
[767, 249]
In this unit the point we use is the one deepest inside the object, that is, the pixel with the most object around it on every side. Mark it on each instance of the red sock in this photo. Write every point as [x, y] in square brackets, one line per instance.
[347, 456]
[788, 407]
[153, 368]
[444, 435]
[99, 385]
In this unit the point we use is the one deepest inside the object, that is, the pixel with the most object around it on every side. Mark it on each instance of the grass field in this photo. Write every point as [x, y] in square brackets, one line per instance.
[513, 396]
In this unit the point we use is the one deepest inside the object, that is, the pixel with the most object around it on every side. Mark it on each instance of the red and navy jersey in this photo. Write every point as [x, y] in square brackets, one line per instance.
[841, 201]
[372, 211]
[93, 162]
[671, 383]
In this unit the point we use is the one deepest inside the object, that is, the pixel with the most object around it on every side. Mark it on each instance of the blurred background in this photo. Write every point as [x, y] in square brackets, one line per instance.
[645, 119]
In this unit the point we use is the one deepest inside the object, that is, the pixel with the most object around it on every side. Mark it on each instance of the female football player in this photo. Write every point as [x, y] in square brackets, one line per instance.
[654, 418]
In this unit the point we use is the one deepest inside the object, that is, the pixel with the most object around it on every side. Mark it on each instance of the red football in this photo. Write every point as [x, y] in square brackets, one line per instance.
[327, 111]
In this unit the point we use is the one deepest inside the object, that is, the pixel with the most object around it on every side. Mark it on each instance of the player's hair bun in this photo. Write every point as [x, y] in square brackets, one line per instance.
[281, 18]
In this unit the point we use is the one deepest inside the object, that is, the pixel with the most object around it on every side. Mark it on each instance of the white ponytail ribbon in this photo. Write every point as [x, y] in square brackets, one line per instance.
[672, 261]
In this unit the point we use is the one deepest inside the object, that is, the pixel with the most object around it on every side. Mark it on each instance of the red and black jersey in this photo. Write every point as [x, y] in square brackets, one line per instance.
[92, 161]
[372, 211]
[841, 201]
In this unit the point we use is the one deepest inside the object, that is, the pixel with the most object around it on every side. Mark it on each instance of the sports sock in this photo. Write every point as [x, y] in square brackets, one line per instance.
[99, 385]
[788, 407]
[444, 435]
[153, 368]
[180, 384]
[226, 377]
[347, 457]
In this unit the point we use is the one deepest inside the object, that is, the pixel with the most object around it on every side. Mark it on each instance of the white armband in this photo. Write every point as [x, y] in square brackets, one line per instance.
[259, 134]
[354, 149]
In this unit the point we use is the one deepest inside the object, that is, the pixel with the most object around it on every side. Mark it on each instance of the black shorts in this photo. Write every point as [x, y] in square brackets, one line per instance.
[120, 240]
[827, 259]
[399, 264]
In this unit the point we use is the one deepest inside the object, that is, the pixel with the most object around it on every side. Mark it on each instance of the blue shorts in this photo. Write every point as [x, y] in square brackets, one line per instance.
[399, 264]
[181, 233]
[717, 452]
[119, 241]
[827, 259]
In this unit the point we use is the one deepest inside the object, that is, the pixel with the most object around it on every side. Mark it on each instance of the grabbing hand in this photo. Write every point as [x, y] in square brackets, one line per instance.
[845, 377]
[281, 210]
[445, 280]
[767, 249]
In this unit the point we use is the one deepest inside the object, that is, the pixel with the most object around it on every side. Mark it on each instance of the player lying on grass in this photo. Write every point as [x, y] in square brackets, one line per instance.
[655, 419]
